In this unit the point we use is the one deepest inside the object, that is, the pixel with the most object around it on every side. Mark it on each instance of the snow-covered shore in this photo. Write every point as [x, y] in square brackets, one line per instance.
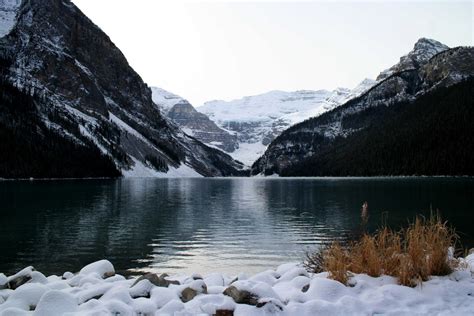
[288, 290]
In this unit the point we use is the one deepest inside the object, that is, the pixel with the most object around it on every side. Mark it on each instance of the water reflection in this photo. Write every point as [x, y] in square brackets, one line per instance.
[228, 225]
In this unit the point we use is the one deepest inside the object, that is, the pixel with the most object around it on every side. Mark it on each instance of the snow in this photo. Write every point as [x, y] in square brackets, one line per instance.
[264, 107]
[124, 126]
[164, 99]
[102, 267]
[8, 10]
[247, 153]
[255, 119]
[139, 170]
[85, 132]
[83, 68]
[56, 303]
[287, 290]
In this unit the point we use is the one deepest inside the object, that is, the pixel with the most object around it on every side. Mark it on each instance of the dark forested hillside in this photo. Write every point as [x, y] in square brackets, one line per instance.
[433, 135]
[28, 148]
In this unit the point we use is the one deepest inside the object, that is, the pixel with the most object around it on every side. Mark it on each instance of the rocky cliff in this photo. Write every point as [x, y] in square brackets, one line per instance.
[194, 123]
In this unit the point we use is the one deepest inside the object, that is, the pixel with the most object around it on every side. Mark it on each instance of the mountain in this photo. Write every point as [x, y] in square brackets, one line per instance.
[423, 50]
[257, 120]
[71, 106]
[410, 99]
[192, 122]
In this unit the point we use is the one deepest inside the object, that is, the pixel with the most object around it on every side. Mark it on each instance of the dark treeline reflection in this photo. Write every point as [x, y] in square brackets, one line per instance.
[204, 225]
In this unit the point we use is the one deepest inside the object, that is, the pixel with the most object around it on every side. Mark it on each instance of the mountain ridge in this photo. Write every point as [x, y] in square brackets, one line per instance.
[88, 89]
[304, 140]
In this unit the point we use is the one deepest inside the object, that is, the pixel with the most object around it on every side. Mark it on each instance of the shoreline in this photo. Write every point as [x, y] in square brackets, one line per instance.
[287, 290]
[250, 177]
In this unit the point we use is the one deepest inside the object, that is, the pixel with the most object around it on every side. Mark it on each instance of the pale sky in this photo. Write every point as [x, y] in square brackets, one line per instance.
[226, 50]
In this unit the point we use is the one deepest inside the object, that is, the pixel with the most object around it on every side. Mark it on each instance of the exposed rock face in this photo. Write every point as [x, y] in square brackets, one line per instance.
[307, 139]
[193, 123]
[200, 126]
[86, 92]
[424, 49]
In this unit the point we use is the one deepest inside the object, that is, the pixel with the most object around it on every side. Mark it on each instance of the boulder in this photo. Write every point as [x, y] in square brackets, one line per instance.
[224, 312]
[195, 288]
[188, 294]
[305, 288]
[18, 281]
[156, 280]
[270, 305]
[241, 296]
[103, 268]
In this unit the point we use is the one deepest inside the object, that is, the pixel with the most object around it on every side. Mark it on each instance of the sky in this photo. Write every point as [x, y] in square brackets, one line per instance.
[222, 50]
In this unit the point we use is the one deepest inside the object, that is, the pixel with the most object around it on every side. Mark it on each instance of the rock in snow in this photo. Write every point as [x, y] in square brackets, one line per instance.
[288, 290]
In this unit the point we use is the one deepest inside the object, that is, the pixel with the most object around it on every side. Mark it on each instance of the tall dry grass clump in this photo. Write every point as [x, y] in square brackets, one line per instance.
[411, 254]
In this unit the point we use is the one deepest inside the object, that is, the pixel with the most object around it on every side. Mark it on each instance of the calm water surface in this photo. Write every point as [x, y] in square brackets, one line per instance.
[204, 225]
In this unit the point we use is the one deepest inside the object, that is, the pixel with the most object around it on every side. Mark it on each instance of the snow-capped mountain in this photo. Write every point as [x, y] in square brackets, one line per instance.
[257, 120]
[165, 99]
[65, 85]
[424, 49]
[428, 68]
[192, 122]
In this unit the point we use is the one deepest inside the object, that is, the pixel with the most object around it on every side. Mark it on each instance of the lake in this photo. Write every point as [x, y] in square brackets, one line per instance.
[225, 225]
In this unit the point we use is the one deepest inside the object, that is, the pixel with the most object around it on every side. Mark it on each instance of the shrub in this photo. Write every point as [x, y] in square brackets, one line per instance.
[412, 254]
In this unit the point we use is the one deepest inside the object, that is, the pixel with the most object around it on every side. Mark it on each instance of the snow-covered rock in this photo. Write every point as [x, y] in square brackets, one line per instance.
[103, 268]
[288, 290]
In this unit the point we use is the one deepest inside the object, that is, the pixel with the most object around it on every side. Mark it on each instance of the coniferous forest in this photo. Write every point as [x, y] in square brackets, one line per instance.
[433, 135]
[28, 148]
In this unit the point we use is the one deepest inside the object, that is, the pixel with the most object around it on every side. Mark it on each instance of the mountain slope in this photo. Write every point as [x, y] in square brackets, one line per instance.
[84, 87]
[307, 140]
[405, 139]
[257, 120]
[194, 123]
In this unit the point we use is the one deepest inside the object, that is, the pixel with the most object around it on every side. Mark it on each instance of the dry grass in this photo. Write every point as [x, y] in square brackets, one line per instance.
[412, 254]
[336, 262]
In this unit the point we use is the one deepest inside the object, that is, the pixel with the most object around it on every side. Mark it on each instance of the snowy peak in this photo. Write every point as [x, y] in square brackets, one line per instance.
[165, 99]
[262, 107]
[8, 11]
[423, 50]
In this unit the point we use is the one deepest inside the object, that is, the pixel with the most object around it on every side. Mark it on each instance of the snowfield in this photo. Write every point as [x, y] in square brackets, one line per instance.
[288, 290]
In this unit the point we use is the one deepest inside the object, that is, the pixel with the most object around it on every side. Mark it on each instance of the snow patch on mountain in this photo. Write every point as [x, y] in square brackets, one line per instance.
[140, 170]
[264, 107]
[165, 99]
[8, 11]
